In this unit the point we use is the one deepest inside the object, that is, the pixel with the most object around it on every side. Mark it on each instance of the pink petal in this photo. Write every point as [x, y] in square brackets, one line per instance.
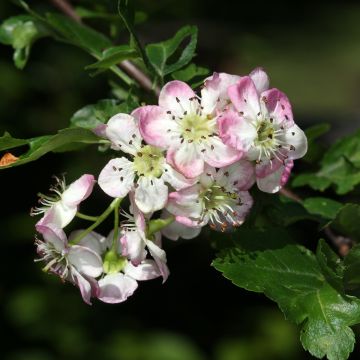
[133, 247]
[78, 191]
[159, 256]
[155, 125]
[53, 235]
[175, 179]
[245, 97]
[87, 287]
[174, 97]
[58, 215]
[116, 288]
[218, 154]
[240, 176]
[260, 79]
[278, 106]
[187, 160]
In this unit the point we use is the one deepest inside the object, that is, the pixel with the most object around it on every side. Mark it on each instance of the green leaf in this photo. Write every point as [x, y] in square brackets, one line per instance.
[160, 53]
[289, 274]
[20, 32]
[78, 34]
[113, 56]
[352, 271]
[189, 72]
[93, 115]
[327, 208]
[347, 221]
[42, 145]
[340, 166]
[315, 148]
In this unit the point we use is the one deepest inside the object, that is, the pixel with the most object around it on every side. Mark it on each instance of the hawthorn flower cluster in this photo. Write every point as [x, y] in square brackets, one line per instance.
[194, 158]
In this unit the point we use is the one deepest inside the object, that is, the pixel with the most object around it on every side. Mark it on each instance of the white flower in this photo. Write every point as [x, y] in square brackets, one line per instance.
[215, 199]
[60, 209]
[147, 171]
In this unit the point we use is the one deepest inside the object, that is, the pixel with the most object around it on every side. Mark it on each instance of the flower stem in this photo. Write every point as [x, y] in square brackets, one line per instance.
[116, 227]
[158, 224]
[116, 202]
[86, 217]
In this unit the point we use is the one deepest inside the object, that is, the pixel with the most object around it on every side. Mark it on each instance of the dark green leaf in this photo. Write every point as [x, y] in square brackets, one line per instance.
[7, 142]
[347, 221]
[113, 56]
[352, 271]
[289, 274]
[160, 53]
[93, 115]
[78, 34]
[327, 208]
[42, 145]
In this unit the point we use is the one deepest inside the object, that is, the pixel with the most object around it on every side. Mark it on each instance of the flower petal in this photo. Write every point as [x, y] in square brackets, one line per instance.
[296, 137]
[273, 182]
[123, 132]
[159, 256]
[53, 235]
[116, 288]
[151, 194]
[58, 215]
[240, 176]
[242, 210]
[133, 247]
[175, 179]
[214, 94]
[78, 191]
[174, 97]
[117, 177]
[88, 287]
[218, 154]
[245, 97]
[147, 270]
[278, 106]
[92, 241]
[260, 79]
[187, 160]
[236, 131]
[156, 126]
[86, 261]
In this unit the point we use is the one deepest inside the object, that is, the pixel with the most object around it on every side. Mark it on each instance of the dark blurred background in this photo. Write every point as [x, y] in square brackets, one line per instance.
[311, 51]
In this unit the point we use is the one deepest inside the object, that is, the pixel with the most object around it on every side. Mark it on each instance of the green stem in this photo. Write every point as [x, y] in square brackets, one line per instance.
[116, 202]
[158, 224]
[116, 227]
[86, 217]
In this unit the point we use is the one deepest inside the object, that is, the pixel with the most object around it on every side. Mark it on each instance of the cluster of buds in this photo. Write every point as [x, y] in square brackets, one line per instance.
[192, 158]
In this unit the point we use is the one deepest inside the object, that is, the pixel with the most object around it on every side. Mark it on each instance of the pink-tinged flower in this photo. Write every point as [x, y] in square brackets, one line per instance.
[134, 240]
[187, 128]
[118, 281]
[61, 208]
[147, 171]
[177, 230]
[218, 199]
[74, 263]
[262, 127]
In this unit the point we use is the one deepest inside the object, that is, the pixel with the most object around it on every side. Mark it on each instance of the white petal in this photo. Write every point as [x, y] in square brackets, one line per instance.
[260, 79]
[78, 191]
[296, 137]
[175, 179]
[86, 261]
[53, 235]
[58, 215]
[116, 288]
[117, 177]
[84, 285]
[188, 160]
[123, 131]
[133, 246]
[147, 270]
[151, 194]
[92, 241]
[159, 256]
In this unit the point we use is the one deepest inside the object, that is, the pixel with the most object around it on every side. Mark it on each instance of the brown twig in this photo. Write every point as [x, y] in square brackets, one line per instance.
[143, 80]
[343, 244]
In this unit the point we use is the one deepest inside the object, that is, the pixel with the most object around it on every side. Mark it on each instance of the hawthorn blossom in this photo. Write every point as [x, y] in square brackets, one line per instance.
[120, 280]
[219, 198]
[61, 208]
[134, 240]
[187, 128]
[77, 264]
[147, 172]
[262, 128]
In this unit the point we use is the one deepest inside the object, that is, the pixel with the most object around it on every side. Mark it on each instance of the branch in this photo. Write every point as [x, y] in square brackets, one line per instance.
[341, 243]
[143, 80]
